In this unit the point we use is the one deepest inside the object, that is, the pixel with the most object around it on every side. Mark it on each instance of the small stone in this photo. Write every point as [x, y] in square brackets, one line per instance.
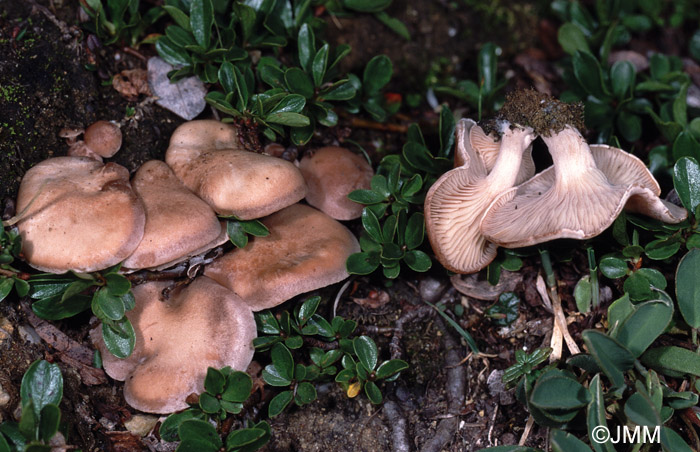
[6, 330]
[4, 397]
[28, 334]
[141, 424]
[498, 389]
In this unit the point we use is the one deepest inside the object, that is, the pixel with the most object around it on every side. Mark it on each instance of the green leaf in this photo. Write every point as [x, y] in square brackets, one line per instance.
[505, 310]
[214, 381]
[28, 423]
[377, 73]
[169, 428]
[5, 287]
[279, 403]
[197, 430]
[293, 103]
[641, 411]
[201, 20]
[371, 225]
[417, 261]
[672, 441]
[306, 393]
[178, 16]
[415, 231]
[641, 328]
[119, 337]
[308, 309]
[686, 180]
[319, 64]
[559, 393]
[672, 361]
[42, 383]
[582, 294]
[572, 39]
[688, 287]
[366, 351]
[566, 442]
[171, 52]
[486, 62]
[373, 393]
[685, 146]
[589, 74]
[362, 263]
[340, 91]
[283, 361]
[595, 415]
[629, 125]
[366, 196]
[243, 437]
[306, 45]
[622, 75]
[117, 284]
[366, 6]
[394, 24]
[208, 403]
[613, 267]
[447, 122]
[662, 248]
[288, 119]
[236, 234]
[611, 356]
[299, 82]
[389, 368]
[107, 306]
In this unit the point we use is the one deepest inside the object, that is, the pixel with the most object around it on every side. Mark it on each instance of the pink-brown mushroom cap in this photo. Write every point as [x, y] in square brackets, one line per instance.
[306, 250]
[202, 325]
[178, 223]
[331, 173]
[78, 214]
[231, 180]
[104, 138]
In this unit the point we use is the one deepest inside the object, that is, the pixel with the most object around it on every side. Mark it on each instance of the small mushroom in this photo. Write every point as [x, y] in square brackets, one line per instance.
[331, 173]
[456, 202]
[206, 157]
[104, 138]
[306, 250]
[574, 199]
[78, 214]
[178, 223]
[199, 326]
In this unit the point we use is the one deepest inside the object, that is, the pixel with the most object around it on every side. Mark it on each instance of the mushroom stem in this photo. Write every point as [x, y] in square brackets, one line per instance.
[570, 156]
[505, 171]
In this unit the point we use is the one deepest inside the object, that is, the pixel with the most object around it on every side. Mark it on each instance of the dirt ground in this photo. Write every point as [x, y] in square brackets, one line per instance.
[443, 402]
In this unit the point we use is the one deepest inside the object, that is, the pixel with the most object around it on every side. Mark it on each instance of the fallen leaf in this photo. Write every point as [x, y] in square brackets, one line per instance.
[184, 98]
[131, 83]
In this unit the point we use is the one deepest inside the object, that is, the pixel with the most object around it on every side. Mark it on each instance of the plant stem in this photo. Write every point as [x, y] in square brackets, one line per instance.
[595, 287]
[547, 266]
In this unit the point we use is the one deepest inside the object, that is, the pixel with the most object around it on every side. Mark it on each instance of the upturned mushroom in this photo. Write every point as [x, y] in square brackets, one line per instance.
[575, 198]
[178, 223]
[331, 173]
[78, 214]
[457, 201]
[306, 250]
[207, 157]
[199, 326]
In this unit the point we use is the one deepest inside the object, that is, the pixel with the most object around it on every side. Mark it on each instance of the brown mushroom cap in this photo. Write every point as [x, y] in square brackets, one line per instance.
[178, 223]
[331, 173]
[78, 214]
[306, 250]
[232, 181]
[104, 138]
[457, 201]
[201, 325]
[575, 198]
[487, 148]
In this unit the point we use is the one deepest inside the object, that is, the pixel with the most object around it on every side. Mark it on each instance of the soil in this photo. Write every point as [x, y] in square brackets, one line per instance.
[53, 75]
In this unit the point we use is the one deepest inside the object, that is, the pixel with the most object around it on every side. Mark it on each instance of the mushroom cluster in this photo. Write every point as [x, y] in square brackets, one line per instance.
[78, 214]
[492, 197]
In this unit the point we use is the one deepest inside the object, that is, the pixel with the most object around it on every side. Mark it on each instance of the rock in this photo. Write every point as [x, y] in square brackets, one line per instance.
[141, 424]
[4, 397]
[498, 389]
